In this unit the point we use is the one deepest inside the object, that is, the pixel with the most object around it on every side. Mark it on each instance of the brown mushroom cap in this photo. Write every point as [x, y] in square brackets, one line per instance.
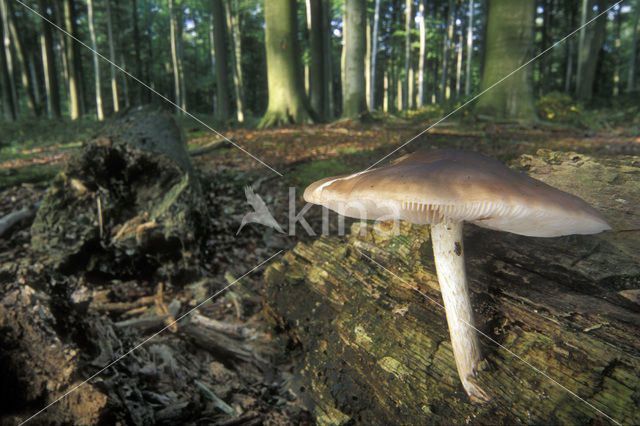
[432, 186]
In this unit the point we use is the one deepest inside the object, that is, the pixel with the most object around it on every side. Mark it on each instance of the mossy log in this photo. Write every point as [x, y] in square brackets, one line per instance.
[126, 205]
[564, 311]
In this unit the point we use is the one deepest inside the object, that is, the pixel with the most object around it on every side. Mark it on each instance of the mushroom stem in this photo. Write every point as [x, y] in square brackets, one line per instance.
[448, 253]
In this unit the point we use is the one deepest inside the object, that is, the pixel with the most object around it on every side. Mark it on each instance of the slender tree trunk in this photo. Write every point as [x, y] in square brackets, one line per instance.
[287, 103]
[594, 40]
[7, 64]
[407, 53]
[569, 70]
[212, 54]
[509, 44]
[467, 82]
[74, 78]
[633, 62]
[49, 64]
[421, 67]
[444, 84]
[173, 24]
[354, 102]
[138, 50]
[96, 61]
[236, 58]
[374, 54]
[21, 56]
[34, 77]
[112, 58]
[367, 57]
[317, 78]
[221, 61]
[617, 44]
[459, 65]
[581, 43]
[328, 85]
[385, 100]
[183, 91]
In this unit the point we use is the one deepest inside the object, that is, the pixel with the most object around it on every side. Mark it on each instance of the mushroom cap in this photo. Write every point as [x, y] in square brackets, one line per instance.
[434, 186]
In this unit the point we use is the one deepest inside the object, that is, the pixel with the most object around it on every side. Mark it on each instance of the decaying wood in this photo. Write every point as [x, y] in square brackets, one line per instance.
[127, 204]
[211, 146]
[372, 350]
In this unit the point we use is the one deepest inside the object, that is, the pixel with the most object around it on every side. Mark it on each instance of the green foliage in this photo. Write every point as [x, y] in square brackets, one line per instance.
[560, 108]
[426, 113]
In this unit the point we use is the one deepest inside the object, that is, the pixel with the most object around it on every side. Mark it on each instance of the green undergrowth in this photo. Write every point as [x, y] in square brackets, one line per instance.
[38, 175]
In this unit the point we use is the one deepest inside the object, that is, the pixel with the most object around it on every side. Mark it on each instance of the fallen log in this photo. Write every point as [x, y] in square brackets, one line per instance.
[562, 340]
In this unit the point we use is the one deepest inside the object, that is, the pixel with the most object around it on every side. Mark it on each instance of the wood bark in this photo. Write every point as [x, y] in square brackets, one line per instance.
[446, 50]
[354, 104]
[22, 62]
[467, 81]
[138, 53]
[96, 61]
[6, 61]
[407, 54]
[588, 55]
[49, 64]
[175, 55]
[374, 54]
[318, 93]
[509, 44]
[370, 349]
[287, 101]
[633, 61]
[221, 61]
[75, 102]
[236, 58]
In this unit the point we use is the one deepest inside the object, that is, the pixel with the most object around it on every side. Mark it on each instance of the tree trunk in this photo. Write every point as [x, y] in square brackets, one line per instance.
[177, 85]
[317, 78]
[236, 58]
[354, 104]
[287, 102]
[328, 85]
[421, 58]
[444, 78]
[582, 47]
[112, 58]
[374, 54]
[372, 346]
[509, 44]
[49, 64]
[96, 61]
[459, 65]
[617, 55]
[138, 52]
[212, 54]
[633, 61]
[221, 61]
[7, 64]
[21, 56]
[467, 83]
[588, 58]
[407, 53]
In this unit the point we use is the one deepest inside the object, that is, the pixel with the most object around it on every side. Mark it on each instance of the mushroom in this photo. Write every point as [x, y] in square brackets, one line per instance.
[445, 188]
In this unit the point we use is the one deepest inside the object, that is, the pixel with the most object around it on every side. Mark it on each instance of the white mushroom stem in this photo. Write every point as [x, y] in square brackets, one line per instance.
[449, 258]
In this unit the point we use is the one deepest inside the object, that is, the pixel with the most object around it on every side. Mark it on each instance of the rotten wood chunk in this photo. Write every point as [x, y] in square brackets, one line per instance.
[372, 350]
[127, 204]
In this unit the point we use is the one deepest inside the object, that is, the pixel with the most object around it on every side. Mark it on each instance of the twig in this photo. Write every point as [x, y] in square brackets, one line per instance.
[216, 401]
[8, 221]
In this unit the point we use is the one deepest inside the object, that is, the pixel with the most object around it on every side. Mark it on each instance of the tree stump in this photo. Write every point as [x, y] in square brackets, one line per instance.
[372, 350]
[126, 205]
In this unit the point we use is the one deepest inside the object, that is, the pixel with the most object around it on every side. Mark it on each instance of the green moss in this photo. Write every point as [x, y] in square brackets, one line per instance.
[39, 175]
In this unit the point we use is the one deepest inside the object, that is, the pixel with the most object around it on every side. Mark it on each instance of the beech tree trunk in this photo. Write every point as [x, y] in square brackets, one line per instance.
[318, 93]
[589, 53]
[444, 82]
[74, 64]
[236, 57]
[509, 45]
[421, 59]
[467, 83]
[6, 60]
[354, 104]
[370, 349]
[96, 61]
[49, 64]
[374, 54]
[407, 54]
[633, 62]
[22, 61]
[287, 101]
[221, 61]
[175, 55]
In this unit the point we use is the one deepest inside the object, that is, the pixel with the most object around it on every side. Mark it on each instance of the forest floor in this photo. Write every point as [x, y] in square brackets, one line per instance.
[302, 154]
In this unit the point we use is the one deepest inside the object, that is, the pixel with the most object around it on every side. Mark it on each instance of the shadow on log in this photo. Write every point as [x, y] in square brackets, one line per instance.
[372, 350]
